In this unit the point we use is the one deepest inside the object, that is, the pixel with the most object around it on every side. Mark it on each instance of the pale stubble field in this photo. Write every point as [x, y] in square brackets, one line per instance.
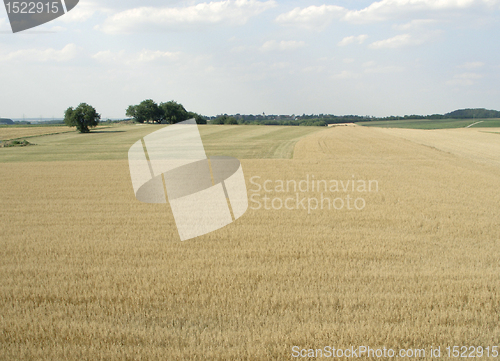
[90, 273]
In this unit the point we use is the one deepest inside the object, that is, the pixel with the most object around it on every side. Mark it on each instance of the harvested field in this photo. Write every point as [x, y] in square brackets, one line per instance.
[113, 143]
[8, 133]
[434, 123]
[90, 273]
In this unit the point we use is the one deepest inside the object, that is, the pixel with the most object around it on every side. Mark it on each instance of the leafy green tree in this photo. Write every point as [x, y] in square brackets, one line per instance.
[231, 120]
[132, 112]
[170, 112]
[82, 117]
[146, 111]
[224, 119]
[221, 119]
[473, 113]
[199, 119]
[174, 112]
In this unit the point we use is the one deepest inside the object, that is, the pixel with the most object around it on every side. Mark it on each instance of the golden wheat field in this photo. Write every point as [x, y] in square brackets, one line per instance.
[89, 273]
[478, 144]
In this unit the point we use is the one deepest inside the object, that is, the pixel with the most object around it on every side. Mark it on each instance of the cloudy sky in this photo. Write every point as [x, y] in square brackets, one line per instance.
[388, 57]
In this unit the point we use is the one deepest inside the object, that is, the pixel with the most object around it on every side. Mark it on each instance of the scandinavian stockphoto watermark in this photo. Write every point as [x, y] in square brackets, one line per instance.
[363, 352]
[205, 194]
[25, 15]
[310, 193]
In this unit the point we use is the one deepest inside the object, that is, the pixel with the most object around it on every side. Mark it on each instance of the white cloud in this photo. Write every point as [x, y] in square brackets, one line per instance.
[353, 39]
[414, 24]
[319, 17]
[390, 9]
[82, 12]
[144, 56]
[472, 65]
[42, 55]
[394, 42]
[312, 17]
[235, 12]
[282, 45]
[109, 56]
[150, 55]
[465, 79]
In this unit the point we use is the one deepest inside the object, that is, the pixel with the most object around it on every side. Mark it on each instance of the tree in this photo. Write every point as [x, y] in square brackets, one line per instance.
[221, 119]
[170, 112]
[132, 112]
[83, 117]
[199, 119]
[473, 113]
[174, 112]
[6, 121]
[146, 111]
[224, 119]
[231, 120]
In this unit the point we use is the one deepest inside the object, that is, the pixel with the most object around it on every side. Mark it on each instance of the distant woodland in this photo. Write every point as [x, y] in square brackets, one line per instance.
[325, 119]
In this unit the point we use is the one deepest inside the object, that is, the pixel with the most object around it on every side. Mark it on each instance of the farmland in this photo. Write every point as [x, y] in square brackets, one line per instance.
[434, 124]
[87, 272]
[113, 143]
[16, 132]
[478, 144]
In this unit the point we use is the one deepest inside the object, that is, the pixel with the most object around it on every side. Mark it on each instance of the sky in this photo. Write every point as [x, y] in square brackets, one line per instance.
[378, 58]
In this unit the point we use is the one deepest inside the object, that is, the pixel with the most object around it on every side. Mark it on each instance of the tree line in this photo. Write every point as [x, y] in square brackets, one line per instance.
[85, 116]
[479, 113]
[148, 111]
[265, 120]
